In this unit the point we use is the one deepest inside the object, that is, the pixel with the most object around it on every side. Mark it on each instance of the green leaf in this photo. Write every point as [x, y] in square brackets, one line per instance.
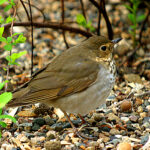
[132, 18]
[9, 117]
[2, 1]
[4, 69]
[9, 39]
[3, 124]
[7, 7]
[9, 19]
[2, 85]
[132, 33]
[129, 8]
[15, 56]
[12, 2]
[8, 58]
[89, 26]
[1, 31]
[20, 39]
[5, 98]
[140, 18]
[1, 20]
[15, 34]
[1, 110]
[133, 27]
[2, 39]
[81, 20]
[8, 47]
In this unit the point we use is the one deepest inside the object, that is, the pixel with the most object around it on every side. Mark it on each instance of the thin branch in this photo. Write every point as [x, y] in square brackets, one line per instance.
[25, 9]
[63, 17]
[143, 25]
[11, 33]
[51, 25]
[103, 10]
[83, 10]
[44, 18]
[32, 43]
[99, 19]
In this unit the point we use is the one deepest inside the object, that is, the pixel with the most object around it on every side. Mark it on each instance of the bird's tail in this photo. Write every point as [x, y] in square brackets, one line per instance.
[17, 99]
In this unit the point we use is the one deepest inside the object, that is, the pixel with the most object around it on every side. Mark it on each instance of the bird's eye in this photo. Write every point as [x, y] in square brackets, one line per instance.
[103, 48]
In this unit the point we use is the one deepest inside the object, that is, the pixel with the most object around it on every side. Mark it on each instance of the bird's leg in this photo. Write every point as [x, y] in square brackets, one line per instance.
[75, 129]
[72, 125]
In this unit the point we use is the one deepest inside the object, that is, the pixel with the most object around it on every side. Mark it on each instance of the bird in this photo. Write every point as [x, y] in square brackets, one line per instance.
[77, 81]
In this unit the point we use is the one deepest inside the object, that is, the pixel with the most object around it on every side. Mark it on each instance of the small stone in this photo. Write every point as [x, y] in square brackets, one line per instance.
[94, 144]
[148, 107]
[97, 117]
[133, 118]
[140, 109]
[126, 106]
[112, 117]
[75, 140]
[143, 114]
[138, 101]
[57, 127]
[50, 135]
[125, 119]
[24, 139]
[48, 120]
[114, 131]
[90, 148]
[135, 78]
[144, 139]
[130, 127]
[52, 145]
[36, 127]
[124, 146]
[27, 129]
[40, 121]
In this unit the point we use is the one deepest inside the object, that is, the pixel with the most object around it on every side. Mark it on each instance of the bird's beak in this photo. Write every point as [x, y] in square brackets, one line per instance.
[115, 41]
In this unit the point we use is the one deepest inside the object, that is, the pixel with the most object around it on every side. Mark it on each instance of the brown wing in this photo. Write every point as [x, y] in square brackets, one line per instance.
[58, 79]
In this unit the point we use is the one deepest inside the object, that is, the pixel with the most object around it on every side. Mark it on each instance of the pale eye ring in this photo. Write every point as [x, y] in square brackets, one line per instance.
[103, 47]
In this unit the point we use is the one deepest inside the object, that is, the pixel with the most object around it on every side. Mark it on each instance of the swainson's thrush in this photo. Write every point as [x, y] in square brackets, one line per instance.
[77, 81]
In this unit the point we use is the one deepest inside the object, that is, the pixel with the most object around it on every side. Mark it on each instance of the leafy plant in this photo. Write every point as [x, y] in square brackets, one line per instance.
[134, 18]
[5, 98]
[82, 22]
[9, 42]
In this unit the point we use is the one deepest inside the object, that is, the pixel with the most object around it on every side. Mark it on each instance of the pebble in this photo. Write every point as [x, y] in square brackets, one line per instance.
[125, 119]
[52, 145]
[40, 121]
[133, 118]
[57, 127]
[114, 131]
[98, 117]
[36, 140]
[36, 127]
[112, 117]
[126, 106]
[50, 135]
[140, 109]
[144, 139]
[124, 146]
[130, 127]
[48, 120]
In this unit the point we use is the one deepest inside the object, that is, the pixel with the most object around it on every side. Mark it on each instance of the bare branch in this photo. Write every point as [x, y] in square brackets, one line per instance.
[51, 25]
[63, 17]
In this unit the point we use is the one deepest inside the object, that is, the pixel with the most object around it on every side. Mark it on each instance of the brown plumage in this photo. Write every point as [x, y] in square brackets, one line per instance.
[77, 81]
[69, 73]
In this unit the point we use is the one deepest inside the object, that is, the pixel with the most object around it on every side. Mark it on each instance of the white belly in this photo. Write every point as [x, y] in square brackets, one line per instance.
[91, 98]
